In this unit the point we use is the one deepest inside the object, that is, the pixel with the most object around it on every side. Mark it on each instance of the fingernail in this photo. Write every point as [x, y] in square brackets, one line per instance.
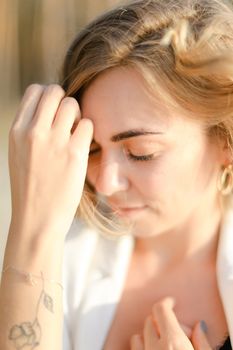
[170, 300]
[203, 326]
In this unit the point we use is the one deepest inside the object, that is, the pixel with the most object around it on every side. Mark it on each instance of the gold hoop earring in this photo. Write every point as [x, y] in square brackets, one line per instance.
[225, 184]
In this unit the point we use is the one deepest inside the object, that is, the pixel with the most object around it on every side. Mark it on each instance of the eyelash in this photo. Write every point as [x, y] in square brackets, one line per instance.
[140, 158]
[131, 156]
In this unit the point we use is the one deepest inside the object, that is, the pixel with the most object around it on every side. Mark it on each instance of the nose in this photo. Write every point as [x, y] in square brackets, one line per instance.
[110, 178]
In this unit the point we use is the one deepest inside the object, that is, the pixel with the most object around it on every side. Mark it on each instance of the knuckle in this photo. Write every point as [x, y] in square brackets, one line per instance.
[34, 88]
[76, 154]
[34, 134]
[55, 89]
[14, 131]
[71, 102]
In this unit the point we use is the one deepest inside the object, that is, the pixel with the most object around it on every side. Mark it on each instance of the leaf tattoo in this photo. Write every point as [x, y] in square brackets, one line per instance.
[48, 302]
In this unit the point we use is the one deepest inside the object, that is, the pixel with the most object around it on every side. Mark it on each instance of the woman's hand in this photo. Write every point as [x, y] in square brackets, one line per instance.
[162, 331]
[48, 155]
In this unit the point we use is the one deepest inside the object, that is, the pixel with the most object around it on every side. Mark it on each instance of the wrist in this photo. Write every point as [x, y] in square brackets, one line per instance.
[40, 232]
[34, 252]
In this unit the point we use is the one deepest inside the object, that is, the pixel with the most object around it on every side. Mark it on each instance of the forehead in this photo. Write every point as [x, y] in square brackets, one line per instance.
[118, 99]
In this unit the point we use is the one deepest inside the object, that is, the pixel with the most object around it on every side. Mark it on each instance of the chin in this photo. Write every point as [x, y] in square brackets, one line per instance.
[141, 230]
[148, 227]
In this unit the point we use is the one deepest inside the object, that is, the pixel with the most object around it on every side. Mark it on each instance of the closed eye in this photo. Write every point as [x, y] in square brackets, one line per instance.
[129, 155]
[140, 158]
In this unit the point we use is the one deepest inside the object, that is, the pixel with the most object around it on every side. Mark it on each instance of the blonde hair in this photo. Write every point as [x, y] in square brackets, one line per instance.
[184, 48]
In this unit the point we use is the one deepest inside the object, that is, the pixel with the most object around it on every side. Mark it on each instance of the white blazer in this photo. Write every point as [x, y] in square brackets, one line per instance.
[94, 272]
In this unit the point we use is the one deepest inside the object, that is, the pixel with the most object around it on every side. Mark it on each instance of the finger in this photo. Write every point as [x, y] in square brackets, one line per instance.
[48, 106]
[165, 317]
[82, 136]
[150, 335]
[80, 143]
[187, 330]
[136, 343]
[28, 105]
[67, 114]
[199, 338]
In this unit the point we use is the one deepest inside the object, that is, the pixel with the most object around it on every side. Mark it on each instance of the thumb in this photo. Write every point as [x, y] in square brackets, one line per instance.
[199, 337]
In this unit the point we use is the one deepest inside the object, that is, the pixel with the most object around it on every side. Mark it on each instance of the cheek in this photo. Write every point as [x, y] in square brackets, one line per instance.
[186, 177]
[148, 180]
[166, 181]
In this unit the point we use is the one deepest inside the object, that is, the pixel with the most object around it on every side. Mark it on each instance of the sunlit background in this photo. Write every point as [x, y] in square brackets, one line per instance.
[34, 36]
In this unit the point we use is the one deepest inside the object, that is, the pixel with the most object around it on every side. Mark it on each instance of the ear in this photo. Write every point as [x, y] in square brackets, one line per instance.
[225, 151]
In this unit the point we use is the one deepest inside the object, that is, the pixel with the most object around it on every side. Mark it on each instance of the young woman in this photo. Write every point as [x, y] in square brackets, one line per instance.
[139, 138]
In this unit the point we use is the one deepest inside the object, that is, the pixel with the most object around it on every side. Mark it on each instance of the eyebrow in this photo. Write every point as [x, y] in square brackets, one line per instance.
[133, 133]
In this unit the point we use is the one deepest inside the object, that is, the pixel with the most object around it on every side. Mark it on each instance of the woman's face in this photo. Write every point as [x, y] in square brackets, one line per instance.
[155, 168]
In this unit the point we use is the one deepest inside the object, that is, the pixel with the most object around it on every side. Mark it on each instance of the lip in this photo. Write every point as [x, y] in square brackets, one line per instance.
[130, 211]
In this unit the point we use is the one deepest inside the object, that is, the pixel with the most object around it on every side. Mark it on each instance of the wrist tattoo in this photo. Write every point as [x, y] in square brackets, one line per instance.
[28, 334]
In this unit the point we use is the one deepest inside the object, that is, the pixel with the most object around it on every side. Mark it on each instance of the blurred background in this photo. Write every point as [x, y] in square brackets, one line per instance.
[34, 36]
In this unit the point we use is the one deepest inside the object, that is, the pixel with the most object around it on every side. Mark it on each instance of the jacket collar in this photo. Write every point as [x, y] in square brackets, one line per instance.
[108, 273]
[106, 263]
[224, 267]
